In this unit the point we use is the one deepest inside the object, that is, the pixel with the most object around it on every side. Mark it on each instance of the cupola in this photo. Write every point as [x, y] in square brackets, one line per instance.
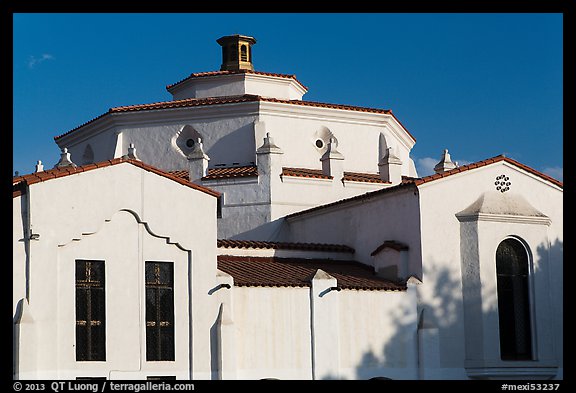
[236, 52]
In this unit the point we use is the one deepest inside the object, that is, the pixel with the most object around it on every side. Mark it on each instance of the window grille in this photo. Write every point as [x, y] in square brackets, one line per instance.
[90, 311]
[159, 311]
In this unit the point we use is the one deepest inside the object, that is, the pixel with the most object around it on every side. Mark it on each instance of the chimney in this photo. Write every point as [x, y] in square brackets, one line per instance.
[332, 161]
[236, 52]
[390, 167]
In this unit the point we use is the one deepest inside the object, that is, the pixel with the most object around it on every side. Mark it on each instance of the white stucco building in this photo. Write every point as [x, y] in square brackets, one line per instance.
[242, 232]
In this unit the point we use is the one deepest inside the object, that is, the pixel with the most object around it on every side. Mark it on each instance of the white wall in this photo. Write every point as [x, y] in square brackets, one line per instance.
[121, 214]
[377, 335]
[238, 84]
[447, 244]
[272, 332]
[366, 224]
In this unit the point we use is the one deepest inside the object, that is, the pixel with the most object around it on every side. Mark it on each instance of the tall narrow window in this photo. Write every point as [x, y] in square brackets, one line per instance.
[243, 53]
[90, 311]
[513, 301]
[159, 311]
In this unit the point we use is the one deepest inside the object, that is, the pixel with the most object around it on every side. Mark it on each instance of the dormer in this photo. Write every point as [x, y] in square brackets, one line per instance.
[237, 76]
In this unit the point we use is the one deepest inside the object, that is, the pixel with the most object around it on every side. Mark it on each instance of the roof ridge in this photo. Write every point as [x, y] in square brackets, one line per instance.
[37, 177]
[265, 244]
[408, 181]
[189, 102]
[233, 72]
[252, 271]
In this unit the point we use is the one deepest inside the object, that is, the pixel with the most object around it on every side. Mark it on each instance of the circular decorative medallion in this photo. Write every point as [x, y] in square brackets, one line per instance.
[502, 183]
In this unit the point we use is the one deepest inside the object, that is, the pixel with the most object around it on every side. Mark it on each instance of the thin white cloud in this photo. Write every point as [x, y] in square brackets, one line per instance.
[425, 166]
[557, 172]
[33, 61]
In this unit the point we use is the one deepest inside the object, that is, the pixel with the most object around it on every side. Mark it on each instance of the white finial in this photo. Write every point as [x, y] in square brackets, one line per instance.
[64, 159]
[131, 152]
[445, 163]
[39, 166]
[268, 146]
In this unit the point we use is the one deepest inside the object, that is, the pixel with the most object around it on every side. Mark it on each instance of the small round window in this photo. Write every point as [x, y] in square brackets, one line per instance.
[190, 143]
[319, 143]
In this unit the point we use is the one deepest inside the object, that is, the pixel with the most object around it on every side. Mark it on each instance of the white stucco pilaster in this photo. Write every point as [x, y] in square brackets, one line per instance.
[324, 307]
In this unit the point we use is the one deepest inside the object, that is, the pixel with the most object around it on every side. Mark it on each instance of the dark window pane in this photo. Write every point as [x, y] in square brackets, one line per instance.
[159, 311]
[166, 305]
[90, 311]
[513, 301]
[167, 343]
[81, 304]
[151, 302]
[81, 343]
[152, 343]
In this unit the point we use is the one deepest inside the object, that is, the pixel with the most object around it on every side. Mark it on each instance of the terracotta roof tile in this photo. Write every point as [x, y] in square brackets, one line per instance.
[226, 243]
[180, 174]
[348, 176]
[222, 172]
[485, 162]
[393, 244]
[364, 177]
[18, 183]
[304, 172]
[228, 172]
[185, 103]
[408, 181]
[193, 102]
[298, 272]
[230, 72]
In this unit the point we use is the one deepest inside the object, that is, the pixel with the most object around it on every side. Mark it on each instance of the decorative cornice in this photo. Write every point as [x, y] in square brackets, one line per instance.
[509, 218]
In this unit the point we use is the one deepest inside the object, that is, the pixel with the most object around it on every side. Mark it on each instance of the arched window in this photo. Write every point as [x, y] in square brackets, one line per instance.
[243, 53]
[513, 301]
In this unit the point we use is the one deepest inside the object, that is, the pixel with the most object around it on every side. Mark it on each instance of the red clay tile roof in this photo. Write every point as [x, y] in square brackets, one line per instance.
[393, 244]
[230, 72]
[228, 172]
[222, 172]
[19, 182]
[482, 163]
[227, 243]
[364, 177]
[348, 176]
[304, 172]
[411, 182]
[298, 272]
[192, 102]
[180, 174]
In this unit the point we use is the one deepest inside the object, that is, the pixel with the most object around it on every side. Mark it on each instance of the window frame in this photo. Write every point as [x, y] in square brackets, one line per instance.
[528, 300]
[90, 348]
[158, 330]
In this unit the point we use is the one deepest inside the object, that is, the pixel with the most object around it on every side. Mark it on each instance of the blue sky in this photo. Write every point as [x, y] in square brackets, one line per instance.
[477, 84]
